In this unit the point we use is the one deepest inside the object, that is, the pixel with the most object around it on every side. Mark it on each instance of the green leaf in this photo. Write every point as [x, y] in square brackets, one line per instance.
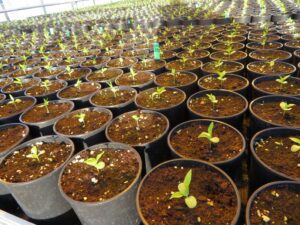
[183, 189]
[176, 195]
[296, 140]
[210, 129]
[204, 135]
[187, 179]
[295, 148]
[99, 156]
[90, 161]
[100, 165]
[215, 140]
[191, 202]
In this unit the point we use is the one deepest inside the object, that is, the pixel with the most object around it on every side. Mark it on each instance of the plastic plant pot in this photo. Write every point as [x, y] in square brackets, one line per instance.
[119, 209]
[86, 72]
[285, 56]
[40, 199]
[155, 70]
[45, 127]
[270, 187]
[182, 163]
[235, 120]
[104, 60]
[51, 76]
[104, 81]
[19, 92]
[138, 87]
[89, 138]
[238, 68]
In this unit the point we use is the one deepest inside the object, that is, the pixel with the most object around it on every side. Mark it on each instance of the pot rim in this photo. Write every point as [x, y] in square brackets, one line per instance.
[179, 86]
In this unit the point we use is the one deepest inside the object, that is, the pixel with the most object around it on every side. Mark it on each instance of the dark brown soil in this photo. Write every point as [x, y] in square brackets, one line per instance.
[190, 64]
[171, 47]
[142, 77]
[135, 53]
[185, 142]
[277, 202]
[168, 99]
[18, 168]
[125, 130]
[116, 63]
[276, 153]
[39, 90]
[97, 62]
[168, 80]
[112, 52]
[207, 186]
[13, 87]
[47, 73]
[75, 61]
[271, 112]
[197, 54]
[232, 83]
[268, 45]
[224, 56]
[200, 45]
[269, 55]
[39, 114]
[5, 81]
[108, 74]
[105, 97]
[272, 86]
[82, 182]
[70, 124]
[228, 105]
[11, 135]
[228, 67]
[148, 65]
[164, 55]
[224, 46]
[263, 67]
[6, 70]
[21, 73]
[260, 38]
[84, 89]
[293, 44]
[7, 109]
[231, 39]
[76, 74]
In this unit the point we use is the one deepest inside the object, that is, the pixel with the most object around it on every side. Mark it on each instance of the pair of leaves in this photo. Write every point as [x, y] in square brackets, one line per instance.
[209, 134]
[285, 106]
[283, 79]
[158, 92]
[35, 153]
[212, 98]
[295, 148]
[95, 162]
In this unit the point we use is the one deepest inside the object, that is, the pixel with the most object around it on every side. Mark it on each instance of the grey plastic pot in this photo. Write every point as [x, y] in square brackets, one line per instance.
[40, 199]
[3, 190]
[269, 186]
[45, 127]
[14, 118]
[87, 139]
[80, 102]
[58, 70]
[191, 163]
[119, 210]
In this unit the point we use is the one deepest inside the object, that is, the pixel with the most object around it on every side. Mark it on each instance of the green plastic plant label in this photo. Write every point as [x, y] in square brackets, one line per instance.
[100, 29]
[68, 33]
[51, 30]
[156, 51]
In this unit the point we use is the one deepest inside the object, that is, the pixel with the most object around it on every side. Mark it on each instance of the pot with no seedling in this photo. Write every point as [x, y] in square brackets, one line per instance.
[223, 105]
[30, 173]
[79, 93]
[168, 101]
[146, 131]
[276, 85]
[150, 65]
[95, 63]
[72, 75]
[225, 66]
[274, 111]
[273, 67]
[12, 108]
[11, 135]
[201, 186]
[104, 75]
[221, 80]
[186, 65]
[269, 55]
[41, 117]
[274, 156]
[139, 80]
[46, 89]
[185, 81]
[274, 202]
[18, 87]
[117, 99]
[122, 63]
[49, 72]
[84, 126]
[112, 171]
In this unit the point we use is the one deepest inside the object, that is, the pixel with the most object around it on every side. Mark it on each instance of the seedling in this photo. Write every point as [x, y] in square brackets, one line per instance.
[229, 50]
[35, 153]
[282, 80]
[191, 51]
[85, 50]
[69, 60]
[69, 70]
[295, 147]
[272, 62]
[264, 41]
[112, 88]
[158, 93]
[209, 135]
[14, 101]
[78, 83]
[94, 61]
[23, 67]
[221, 77]
[81, 117]
[218, 64]
[132, 74]
[184, 191]
[174, 74]
[212, 98]
[137, 119]
[46, 84]
[24, 58]
[286, 107]
[95, 162]
[18, 81]
[121, 60]
[183, 60]
[45, 105]
[49, 67]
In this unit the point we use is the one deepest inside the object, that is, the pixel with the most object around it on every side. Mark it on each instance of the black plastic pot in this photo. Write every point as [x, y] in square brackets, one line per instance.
[234, 120]
[57, 71]
[192, 164]
[139, 87]
[81, 141]
[239, 72]
[260, 172]
[20, 92]
[73, 81]
[287, 59]
[103, 82]
[119, 210]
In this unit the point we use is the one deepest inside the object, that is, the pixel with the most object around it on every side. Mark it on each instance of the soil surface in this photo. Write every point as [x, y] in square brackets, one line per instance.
[97, 62]
[39, 90]
[268, 45]
[276, 153]
[269, 55]
[84, 89]
[11, 135]
[106, 97]
[181, 79]
[21, 73]
[18, 168]
[8, 109]
[49, 73]
[197, 54]
[5, 81]
[228, 67]
[271, 112]
[265, 68]
[70, 125]
[13, 87]
[149, 65]
[164, 55]
[108, 74]
[125, 129]
[141, 77]
[223, 46]
[82, 182]
[281, 203]
[74, 74]
[232, 83]
[272, 86]
[117, 63]
[216, 198]
[190, 64]
[224, 56]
